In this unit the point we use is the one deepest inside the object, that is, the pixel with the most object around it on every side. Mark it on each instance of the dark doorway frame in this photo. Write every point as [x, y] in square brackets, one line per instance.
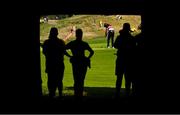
[123, 7]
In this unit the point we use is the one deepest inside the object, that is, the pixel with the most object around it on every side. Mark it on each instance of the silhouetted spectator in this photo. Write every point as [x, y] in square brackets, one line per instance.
[125, 45]
[109, 34]
[79, 61]
[54, 50]
[139, 62]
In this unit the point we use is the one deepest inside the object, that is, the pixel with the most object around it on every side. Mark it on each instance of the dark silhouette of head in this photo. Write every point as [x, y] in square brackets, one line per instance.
[79, 34]
[126, 27]
[53, 33]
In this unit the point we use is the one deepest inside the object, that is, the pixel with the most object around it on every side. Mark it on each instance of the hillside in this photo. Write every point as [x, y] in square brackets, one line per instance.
[89, 23]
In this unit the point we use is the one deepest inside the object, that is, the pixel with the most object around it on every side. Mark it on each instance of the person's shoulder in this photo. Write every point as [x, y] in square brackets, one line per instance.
[60, 40]
[138, 35]
[70, 42]
[73, 41]
[118, 36]
[120, 30]
[84, 42]
[46, 41]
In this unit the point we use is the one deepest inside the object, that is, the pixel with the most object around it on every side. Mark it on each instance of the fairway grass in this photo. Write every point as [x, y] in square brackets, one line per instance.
[100, 78]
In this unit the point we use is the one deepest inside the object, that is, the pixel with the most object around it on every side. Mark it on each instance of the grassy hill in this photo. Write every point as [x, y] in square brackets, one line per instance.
[89, 23]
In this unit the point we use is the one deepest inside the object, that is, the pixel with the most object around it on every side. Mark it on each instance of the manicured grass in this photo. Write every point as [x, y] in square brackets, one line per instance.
[100, 79]
[100, 76]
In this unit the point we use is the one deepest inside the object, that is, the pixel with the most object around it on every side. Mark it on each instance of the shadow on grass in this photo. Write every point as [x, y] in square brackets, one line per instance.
[93, 92]
[96, 99]
[99, 92]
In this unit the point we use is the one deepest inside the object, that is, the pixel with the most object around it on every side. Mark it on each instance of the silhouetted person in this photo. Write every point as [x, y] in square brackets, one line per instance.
[125, 44]
[54, 50]
[79, 62]
[109, 34]
[139, 61]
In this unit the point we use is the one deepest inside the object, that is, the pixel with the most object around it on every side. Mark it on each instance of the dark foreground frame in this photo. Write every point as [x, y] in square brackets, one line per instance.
[21, 91]
[24, 92]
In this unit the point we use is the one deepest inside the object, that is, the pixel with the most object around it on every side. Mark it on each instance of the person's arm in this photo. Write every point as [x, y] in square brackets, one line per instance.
[70, 34]
[67, 54]
[68, 46]
[117, 42]
[105, 32]
[91, 52]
